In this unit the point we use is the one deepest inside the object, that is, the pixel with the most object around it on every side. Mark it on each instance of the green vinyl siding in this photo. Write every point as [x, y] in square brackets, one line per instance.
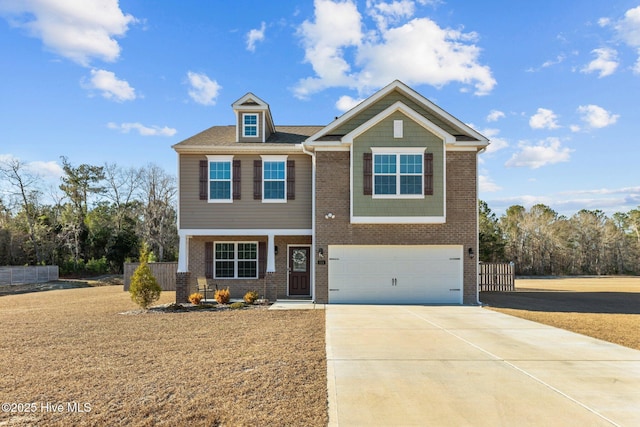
[387, 101]
[381, 135]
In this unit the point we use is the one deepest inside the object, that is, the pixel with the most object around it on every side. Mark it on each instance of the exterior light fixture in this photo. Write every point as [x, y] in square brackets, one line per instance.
[471, 253]
[329, 216]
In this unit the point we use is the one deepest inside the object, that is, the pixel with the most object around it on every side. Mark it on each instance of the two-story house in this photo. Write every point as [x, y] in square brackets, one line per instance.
[378, 206]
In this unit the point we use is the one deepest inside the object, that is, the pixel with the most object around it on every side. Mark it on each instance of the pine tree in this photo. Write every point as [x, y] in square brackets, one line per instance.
[144, 287]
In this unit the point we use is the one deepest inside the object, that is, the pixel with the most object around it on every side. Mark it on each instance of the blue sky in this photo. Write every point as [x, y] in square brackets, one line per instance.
[553, 84]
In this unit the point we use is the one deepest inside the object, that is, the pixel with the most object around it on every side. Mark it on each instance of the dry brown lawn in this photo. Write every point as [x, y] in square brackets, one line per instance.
[237, 367]
[607, 308]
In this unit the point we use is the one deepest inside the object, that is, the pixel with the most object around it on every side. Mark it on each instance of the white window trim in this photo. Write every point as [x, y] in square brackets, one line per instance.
[269, 158]
[396, 151]
[236, 260]
[229, 159]
[257, 125]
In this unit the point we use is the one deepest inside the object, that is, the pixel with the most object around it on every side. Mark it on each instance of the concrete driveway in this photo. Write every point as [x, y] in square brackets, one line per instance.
[469, 366]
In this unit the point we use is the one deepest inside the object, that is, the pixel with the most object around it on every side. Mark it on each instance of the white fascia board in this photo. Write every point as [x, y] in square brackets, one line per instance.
[399, 106]
[261, 104]
[398, 219]
[456, 147]
[241, 148]
[243, 232]
[397, 84]
[341, 147]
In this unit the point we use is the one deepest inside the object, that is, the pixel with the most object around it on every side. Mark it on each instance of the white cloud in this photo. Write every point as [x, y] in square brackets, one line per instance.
[628, 29]
[337, 26]
[255, 36]
[50, 170]
[345, 103]
[77, 30]
[605, 63]
[203, 90]
[487, 185]
[495, 143]
[544, 119]
[546, 152]
[142, 129]
[569, 202]
[111, 87]
[495, 115]
[597, 117]
[416, 52]
[385, 13]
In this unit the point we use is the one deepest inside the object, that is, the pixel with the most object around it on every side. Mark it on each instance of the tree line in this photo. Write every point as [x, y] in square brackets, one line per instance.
[539, 241]
[97, 218]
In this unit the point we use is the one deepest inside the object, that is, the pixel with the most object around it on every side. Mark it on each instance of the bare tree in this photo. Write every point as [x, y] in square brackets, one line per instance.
[157, 191]
[24, 187]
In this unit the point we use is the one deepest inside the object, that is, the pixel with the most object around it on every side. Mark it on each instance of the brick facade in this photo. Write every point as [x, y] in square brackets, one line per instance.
[273, 286]
[332, 195]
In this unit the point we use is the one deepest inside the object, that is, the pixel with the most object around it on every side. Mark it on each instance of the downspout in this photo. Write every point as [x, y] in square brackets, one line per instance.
[313, 220]
[477, 249]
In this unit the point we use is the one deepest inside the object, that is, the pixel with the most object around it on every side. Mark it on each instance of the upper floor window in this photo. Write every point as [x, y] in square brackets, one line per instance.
[398, 174]
[249, 124]
[220, 178]
[274, 179]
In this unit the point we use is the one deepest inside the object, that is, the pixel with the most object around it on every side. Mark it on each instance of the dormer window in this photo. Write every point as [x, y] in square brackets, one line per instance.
[250, 124]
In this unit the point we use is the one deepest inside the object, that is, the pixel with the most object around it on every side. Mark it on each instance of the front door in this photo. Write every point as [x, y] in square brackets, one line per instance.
[299, 276]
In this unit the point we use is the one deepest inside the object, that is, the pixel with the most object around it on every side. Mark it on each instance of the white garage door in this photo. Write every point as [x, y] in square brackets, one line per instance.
[399, 274]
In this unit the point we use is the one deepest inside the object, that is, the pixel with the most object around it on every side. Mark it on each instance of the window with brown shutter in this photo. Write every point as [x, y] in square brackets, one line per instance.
[428, 174]
[366, 174]
[257, 179]
[236, 180]
[208, 260]
[291, 179]
[204, 168]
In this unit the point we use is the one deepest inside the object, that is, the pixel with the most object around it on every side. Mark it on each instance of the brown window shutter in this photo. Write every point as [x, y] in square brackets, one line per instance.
[236, 180]
[208, 260]
[204, 168]
[366, 174]
[291, 179]
[257, 179]
[262, 259]
[428, 174]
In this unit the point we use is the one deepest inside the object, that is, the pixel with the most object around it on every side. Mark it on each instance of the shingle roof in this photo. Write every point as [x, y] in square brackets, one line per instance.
[226, 136]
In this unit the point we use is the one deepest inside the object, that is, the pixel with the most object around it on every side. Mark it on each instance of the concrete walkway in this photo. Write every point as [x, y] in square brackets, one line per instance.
[469, 366]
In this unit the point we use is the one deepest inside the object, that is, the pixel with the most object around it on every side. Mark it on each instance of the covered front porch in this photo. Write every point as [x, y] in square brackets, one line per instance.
[278, 264]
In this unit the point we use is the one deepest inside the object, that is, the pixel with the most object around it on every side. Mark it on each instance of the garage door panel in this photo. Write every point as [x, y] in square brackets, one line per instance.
[395, 274]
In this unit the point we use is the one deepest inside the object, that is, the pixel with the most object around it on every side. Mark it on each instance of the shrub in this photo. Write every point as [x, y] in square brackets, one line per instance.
[195, 298]
[144, 288]
[250, 297]
[97, 266]
[222, 296]
[237, 305]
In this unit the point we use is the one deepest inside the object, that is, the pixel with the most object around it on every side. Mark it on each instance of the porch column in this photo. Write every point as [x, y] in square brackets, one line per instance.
[183, 253]
[271, 254]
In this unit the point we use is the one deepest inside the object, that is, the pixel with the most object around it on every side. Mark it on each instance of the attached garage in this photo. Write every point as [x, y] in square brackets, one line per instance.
[395, 274]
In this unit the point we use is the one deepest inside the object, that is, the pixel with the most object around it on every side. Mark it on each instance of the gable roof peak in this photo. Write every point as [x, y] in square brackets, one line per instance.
[410, 93]
[250, 100]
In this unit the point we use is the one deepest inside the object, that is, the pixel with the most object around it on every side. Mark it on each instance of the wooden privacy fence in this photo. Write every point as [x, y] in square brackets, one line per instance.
[164, 272]
[28, 274]
[497, 277]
